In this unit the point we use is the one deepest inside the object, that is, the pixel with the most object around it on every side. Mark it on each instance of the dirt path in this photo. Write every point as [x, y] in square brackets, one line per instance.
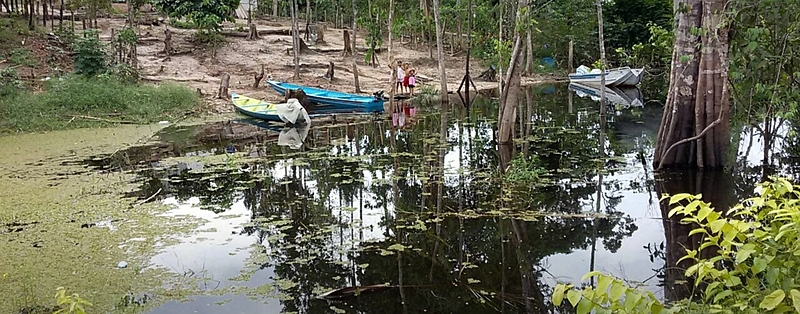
[194, 66]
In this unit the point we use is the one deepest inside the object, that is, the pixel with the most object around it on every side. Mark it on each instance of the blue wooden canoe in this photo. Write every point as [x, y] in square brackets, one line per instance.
[333, 99]
[255, 108]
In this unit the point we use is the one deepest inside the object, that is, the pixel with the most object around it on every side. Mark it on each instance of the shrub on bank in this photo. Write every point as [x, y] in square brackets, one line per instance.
[75, 101]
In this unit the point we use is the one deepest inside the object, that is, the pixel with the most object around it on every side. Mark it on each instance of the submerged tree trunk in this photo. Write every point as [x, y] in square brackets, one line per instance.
[355, 35]
[440, 51]
[695, 128]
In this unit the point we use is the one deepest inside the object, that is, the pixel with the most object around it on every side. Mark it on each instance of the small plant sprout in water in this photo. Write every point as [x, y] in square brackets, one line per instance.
[70, 304]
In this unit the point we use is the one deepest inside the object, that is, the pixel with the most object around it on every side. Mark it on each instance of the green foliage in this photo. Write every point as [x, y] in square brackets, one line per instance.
[70, 304]
[23, 56]
[524, 171]
[98, 96]
[90, 54]
[656, 52]
[611, 295]
[756, 241]
[630, 22]
[206, 15]
[180, 23]
[765, 58]
[9, 81]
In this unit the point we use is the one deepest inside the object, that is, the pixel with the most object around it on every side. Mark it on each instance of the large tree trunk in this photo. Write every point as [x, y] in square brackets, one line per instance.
[275, 8]
[695, 129]
[355, 35]
[295, 40]
[509, 97]
[439, 50]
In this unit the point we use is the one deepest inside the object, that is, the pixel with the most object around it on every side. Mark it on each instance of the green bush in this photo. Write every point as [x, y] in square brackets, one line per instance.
[90, 57]
[752, 269]
[104, 96]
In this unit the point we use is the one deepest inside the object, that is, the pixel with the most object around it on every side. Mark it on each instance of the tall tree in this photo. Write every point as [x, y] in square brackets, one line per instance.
[509, 96]
[295, 40]
[391, 62]
[355, 52]
[695, 128]
[440, 51]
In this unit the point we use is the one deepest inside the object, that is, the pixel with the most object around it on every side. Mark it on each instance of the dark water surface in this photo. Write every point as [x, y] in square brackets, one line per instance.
[417, 201]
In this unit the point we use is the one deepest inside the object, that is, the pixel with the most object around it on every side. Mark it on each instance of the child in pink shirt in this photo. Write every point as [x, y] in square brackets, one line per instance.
[412, 80]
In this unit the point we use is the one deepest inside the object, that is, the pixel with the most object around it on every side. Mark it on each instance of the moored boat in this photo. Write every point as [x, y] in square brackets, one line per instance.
[614, 77]
[333, 99]
[290, 112]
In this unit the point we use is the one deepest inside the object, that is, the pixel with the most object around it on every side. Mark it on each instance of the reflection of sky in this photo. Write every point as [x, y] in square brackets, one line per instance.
[214, 252]
[632, 260]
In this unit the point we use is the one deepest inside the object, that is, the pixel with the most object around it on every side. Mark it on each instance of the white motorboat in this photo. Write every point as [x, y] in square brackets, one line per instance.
[624, 96]
[613, 77]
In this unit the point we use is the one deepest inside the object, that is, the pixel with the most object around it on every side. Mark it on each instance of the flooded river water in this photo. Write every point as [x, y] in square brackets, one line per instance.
[416, 210]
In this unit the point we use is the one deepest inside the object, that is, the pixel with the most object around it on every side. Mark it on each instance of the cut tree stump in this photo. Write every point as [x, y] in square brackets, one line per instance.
[223, 86]
[258, 77]
[168, 42]
[253, 33]
[301, 96]
[329, 74]
[490, 75]
[347, 50]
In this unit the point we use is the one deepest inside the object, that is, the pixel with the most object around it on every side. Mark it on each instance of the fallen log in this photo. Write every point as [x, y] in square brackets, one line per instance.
[261, 32]
[174, 79]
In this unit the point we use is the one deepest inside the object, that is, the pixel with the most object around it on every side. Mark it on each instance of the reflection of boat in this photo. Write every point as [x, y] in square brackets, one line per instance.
[614, 77]
[334, 99]
[290, 112]
[293, 136]
[626, 96]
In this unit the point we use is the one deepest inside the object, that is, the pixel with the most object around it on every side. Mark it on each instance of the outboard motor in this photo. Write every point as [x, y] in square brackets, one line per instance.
[379, 95]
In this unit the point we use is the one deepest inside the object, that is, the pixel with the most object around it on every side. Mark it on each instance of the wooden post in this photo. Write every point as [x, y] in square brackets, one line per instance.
[223, 86]
[348, 49]
[570, 64]
[167, 42]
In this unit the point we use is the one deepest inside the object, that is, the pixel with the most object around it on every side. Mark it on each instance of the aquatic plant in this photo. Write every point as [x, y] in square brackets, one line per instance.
[70, 304]
[756, 241]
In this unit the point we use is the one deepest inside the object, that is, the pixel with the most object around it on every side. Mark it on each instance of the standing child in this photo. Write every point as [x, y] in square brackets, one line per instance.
[406, 68]
[412, 80]
[401, 74]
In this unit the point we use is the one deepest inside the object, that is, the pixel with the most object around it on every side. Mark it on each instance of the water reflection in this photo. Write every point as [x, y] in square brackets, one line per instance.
[419, 200]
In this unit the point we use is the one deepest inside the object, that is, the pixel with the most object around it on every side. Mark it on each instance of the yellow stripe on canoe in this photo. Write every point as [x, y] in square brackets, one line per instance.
[252, 104]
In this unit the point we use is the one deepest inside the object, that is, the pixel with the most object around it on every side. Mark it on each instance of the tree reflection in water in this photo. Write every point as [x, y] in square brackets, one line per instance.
[332, 215]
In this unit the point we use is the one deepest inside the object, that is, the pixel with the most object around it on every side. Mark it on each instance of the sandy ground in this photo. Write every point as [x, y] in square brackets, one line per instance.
[195, 67]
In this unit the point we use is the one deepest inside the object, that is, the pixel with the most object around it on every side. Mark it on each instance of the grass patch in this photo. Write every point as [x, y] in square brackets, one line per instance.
[23, 56]
[14, 29]
[101, 97]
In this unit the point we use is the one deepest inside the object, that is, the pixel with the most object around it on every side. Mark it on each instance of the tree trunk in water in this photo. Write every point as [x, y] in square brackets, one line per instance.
[509, 97]
[439, 50]
[391, 61]
[529, 50]
[716, 188]
[603, 62]
[355, 36]
[295, 40]
[695, 127]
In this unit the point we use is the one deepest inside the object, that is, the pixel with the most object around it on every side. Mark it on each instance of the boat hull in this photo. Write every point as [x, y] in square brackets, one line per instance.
[255, 108]
[635, 77]
[333, 99]
[613, 77]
